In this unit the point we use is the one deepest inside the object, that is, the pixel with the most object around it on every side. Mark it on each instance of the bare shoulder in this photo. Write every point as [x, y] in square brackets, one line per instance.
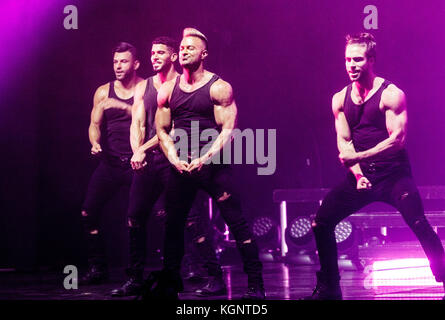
[165, 91]
[393, 96]
[141, 84]
[102, 91]
[140, 88]
[394, 99]
[338, 99]
[221, 92]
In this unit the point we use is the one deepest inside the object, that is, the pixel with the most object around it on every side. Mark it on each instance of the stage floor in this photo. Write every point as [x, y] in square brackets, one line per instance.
[283, 281]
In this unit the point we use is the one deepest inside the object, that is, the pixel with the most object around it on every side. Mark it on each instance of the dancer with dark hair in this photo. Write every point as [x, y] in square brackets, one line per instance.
[371, 124]
[151, 168]
[112, 108]
[151, 173]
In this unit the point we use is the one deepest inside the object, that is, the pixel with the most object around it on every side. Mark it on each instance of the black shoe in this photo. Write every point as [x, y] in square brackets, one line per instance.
[161, 285]
[323, 293]
[95, 275]
[214, 287]
[255, 293]
[327, 288]
[130, 288]
[194, 277]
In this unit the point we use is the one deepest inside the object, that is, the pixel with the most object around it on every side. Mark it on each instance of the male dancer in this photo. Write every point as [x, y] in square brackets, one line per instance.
[371, 124]
[111, 107]
[152, 171]
[199, 96]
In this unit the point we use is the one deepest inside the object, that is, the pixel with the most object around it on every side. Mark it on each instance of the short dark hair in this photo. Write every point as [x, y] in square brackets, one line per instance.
[364, 38]
[125, 46]
[167, 41]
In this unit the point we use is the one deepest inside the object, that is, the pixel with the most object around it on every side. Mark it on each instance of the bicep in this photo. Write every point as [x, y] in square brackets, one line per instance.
[163, 118]
[396, 122]
[225, 109]
[97, 111]
[342, 127]
[96, 115]
[341, 124]
[225, 116]
[396, 113]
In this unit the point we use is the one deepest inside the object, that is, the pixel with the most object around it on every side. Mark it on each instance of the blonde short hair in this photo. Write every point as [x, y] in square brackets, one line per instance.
[192, 32]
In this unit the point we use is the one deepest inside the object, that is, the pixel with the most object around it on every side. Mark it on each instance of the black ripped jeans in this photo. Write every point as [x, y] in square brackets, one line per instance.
[199, 236]
[396, 188]
[146, 189]
[216, 180]
[112, 174]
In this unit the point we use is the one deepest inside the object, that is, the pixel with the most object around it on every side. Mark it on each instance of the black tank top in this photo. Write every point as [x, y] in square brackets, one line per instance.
[193, 106]
[151, 105]
[368, 128]
[117, 126]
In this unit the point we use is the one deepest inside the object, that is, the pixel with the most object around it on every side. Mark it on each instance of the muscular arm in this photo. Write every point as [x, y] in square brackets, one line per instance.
[394, 104]
[96, 119]
[137, 128]
[225, 112]
[117, 104]
[164, 124]
[344, 139]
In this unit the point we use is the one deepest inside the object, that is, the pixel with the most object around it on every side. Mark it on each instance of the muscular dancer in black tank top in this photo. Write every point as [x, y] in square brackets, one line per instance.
[151, 168]
[112, 110]
[198, 96]
[151, 172]
[370, 120]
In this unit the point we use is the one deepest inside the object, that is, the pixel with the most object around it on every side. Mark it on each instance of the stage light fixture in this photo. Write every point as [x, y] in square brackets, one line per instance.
[262, 226]
[343, 231]
[299, 231]
[265, 231]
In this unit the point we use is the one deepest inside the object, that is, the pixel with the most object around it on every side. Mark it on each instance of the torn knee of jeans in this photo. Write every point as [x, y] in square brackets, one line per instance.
[318, 224]
[132, 223]
[200, 239]
[84, 213]
[190, 223]
[224, 197]
[419, 222]
[404, 195]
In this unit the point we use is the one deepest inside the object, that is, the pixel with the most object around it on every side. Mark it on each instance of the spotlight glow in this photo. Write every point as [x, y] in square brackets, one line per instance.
[400, 273]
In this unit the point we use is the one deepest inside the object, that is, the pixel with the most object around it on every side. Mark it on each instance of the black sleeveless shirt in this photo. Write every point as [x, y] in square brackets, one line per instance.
[368, 128]
[150, 105]
[117, 127]
[195, 106]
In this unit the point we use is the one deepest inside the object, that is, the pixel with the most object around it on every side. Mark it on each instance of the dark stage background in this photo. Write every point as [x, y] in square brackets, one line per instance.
[284, 60]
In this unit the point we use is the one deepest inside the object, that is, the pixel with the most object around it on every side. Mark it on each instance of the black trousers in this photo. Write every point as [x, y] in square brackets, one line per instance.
[216, 180]
[146, 189]
[112, 174]
[396, 188]
[199, 237]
